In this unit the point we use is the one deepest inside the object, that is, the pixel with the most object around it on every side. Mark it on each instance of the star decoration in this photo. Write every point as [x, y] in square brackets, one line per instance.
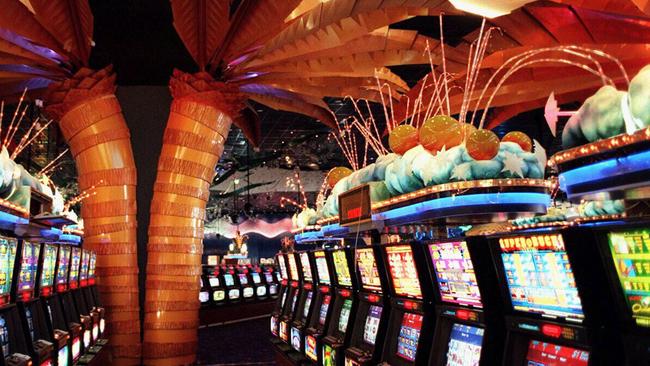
[513, 164]
[461, 172]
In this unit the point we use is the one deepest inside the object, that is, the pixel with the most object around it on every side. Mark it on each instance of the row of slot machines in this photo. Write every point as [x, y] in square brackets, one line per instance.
[221, 285]
[575, 297]
[50, 313]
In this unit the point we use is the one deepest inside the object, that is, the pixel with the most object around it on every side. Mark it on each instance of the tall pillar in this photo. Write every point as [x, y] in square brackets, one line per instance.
[91, 121]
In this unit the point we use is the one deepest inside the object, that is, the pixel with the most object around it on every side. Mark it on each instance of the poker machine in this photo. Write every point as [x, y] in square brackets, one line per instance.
[321, 311]
[271, 282]
[305, 303]
[284, 293]
[204, 292]
[81, 340]
[291, 305]
[91, 295]
[216, 288]
[245, 284]
[233, 291]
[260, 286]
[81, 298]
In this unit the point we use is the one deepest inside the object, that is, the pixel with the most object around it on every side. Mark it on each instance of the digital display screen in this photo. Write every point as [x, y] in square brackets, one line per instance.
[293, 267]
[284, 298]
[229, 280]
[274, 325]
[49, 265]
[283, 267]
[64, 265]
[76, 348]
[256, 277]
[204, 296]
[367, 267]
[549, 354]
[214, 281]
[233, 293]
[341, 267]
[7, 260]
[631, 255]
[305, 308]
[269, 277]
[75, 262]
[329, 355]
[409, 335]
[92, 266]
[464, 345]
[248, 292]
[323, 309]
[402, 270]
[539, 275]
[219, 295]
[62, 356]
[283, 331]
[345, 315]
[85, 263]
[310, 348]
[306, 267]
[260, 291]
[296, 339]
[455, 273]
[294, 302]
[321, 267]
[243, 279]
[273, 289]
[28, 266]
[371, 326]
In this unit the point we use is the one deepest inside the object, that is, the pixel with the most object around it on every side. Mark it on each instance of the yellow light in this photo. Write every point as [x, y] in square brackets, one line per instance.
[488, 9]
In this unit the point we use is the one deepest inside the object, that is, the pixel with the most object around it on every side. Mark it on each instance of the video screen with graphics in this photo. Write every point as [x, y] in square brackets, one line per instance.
[371, 326]
[310, 348]
[341, 267]
[75, 261]
[233, 293]
[64, 265]
[539, 275]
[549, 354]
[305, 309]
[293, 268]
[85, 264]
[260, 291]
[92, 266]
[7, 260]
[256, 278]
[269, 277]
[306, 267]
[214, 281]
[243, 279]
[321, 267]
[403, 273]
[248, 292]
[322, 314]
[465, 344]
[329, 355]
[409, 335]
[28, 266]
[296, 339]
[455, 273]
[631, 255]
[229, 280]
[204, 296]
[218, 295]
[283, 267]
[345, 315]
[294, 302]
[49, 265]
[367, 267]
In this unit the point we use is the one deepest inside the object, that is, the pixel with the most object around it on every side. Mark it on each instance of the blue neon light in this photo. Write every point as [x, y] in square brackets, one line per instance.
[481, 199]
[70, 238]
[605, 169]
[8, 218]
[334, 229]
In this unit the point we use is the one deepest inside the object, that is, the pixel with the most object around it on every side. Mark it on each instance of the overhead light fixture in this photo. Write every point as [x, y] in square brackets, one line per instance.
[489, 9]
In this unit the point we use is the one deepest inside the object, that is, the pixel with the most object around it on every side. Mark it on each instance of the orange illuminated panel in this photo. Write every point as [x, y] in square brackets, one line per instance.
[283, 267]
[367, 267]
[293, 267]
[403, 273]
[306, 267]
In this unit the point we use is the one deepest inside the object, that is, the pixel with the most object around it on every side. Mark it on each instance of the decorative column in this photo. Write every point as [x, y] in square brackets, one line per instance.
[197, 128]
[91, 121]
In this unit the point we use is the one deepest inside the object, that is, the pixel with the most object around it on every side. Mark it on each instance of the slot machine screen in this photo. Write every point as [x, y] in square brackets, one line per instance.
[403, 273]
[273, 289]
[213, 260]
[549, 354]
[329, 355]
[284, 298]
[85, 263]
[219, 295]
[75, 261]
[30, 323]
[204, 296]
[229, 280]
[539, 275]
[233, 293]
[305, 309]
[345, 315]
[278, 276]
[294, 302]
[214, 281]
[631, 255]
[322, 315]
[293, 268]
[28, 266]
[256, 278]
[341, 268]
[367, 267]
[269, 277]
[4, 336]
[306, 267]
[64, 265]
[295, 339]
[62, 356]
[455, 273]
[310, 348]
[464, 345]
[283, 267]
[409, 335]
[321, 267]
[49, 265]
[248, 292]
[260, 291]
[371, 326]
[243, 279]
[7, 260]
[91, 268]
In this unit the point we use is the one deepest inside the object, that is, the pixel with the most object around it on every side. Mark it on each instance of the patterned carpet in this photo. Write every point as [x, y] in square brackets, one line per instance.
[245, 343]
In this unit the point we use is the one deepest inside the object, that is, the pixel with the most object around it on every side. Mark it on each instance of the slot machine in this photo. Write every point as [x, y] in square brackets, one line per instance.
[13, 343]
[295, 292]
[337, 335]
[204, 293]
[245, 285]
[282, 299]
[81, 299]
[321, 309]
[271, 283]
[233, 291]
[91, 296]
[34, 320]
[372, 313]
[303, 312]
[553, 294]
[469, 316]
[217, 291]
[80, 340]
[411, 322]
[260, 286]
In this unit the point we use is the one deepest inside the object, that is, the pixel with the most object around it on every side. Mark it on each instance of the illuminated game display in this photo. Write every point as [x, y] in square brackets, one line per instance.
[368, 269]
[4, 336]
[323, 309]
[631, 255]
[321, 267]
[74, 267]
[92, 267]
[455, 273]
[229, 280]
[409, 335]
[283, 267]
[306, 267]
[260, 291]
[7, 259]
[233, 293]
[548, 354]
[28, 266]
[204, 296]
[403, 273]
[218, 295]
[64, 265]
[293, 268]
[295, 339]
[310, 348]
[294, 302]
[85, 264]
[248, 292]
[345, 315]
[49, 265]
[465, 345]
[243, 279]
[284, 298]
[371, 326]
[539, 275]
[341, 268]
[256, 277]
[214, 281]
[305, 309]
[329, 355]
